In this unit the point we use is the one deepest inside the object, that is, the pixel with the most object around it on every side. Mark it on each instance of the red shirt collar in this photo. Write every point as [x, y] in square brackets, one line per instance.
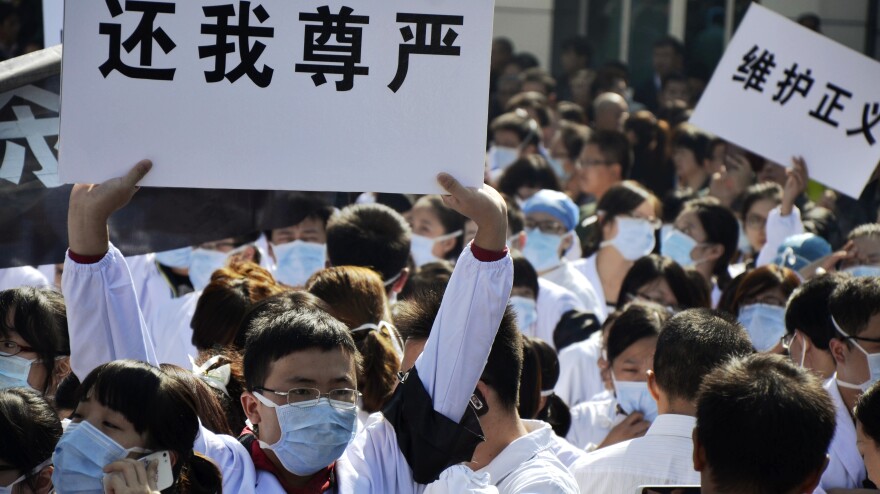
[320, 482]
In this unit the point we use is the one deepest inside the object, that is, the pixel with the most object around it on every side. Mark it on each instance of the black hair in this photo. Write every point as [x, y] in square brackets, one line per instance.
[620, 199]
[580, 45]
[764, 425]
[573, 136]
[532, 101]
[520, 123]
[807, 309]
[160, 407]
[382, 237]
[516, 220]
[670, 42]
[296, 207]
[276, 304]
[273, 335]
[760, 280]
[571, 113]
[415, 318]
[539, 375]
[524, 274]
[65, 393]
[867, 412]
[764, 190]
[530, 171]
[636, 321]
[824, 223]
[653, 267]
[431, 277]
[504, 43]
[690, 137]
[401, 203]
[853, 302]
[691, 344]
[29, 428]
[615, 148]
[539, 76]
[39, 316]
[721, 228]
[208, 406]
[525, 60]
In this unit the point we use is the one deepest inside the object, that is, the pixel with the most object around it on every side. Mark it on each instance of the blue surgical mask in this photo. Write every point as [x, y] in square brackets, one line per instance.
[635, 238]
[80, 457]
[558, 167]
[863, 270]
[634, 396]
[422, 248]
[14, 372]
[177, 258]
[500, 157]
[743, 244]
[297, 261]
[204, 263]
[764, 323]
[678, 246]
[542, 249]
[526, 312]
[312, 437]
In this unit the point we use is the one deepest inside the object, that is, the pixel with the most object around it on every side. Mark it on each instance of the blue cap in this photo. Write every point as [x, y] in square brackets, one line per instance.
[797, 251]
[555, 204]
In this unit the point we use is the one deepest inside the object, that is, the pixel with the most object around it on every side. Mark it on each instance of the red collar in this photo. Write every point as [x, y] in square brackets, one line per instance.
[320, 482]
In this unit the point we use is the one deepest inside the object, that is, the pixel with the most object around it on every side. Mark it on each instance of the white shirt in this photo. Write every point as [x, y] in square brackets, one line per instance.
[22, 276]
[553, 301]
[564, 451]
[845, 467]
[171, 332]
[238, 469]
[449, 368]
[664, 456]
[588, 268]
[778, 229]
[527, 465]
[591, 421]
[568, 277]
[579, 376]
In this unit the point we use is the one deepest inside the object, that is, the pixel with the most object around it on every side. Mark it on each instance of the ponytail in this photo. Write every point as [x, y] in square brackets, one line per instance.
[199, 475]
[380, 362]
[557, 414]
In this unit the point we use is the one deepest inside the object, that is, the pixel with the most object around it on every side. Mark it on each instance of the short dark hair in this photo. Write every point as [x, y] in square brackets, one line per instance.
[520, 123]
[539, 76]
[636, 321]
[274, 335]
[580, 45]
[371, 236]
[653, 267]
[529, 171]
[40, 318]
[765, 424]
[415, 318]
[431, 277]
[615, 147]
[757, 192]
[867, 412]
[807, 309]
[570, 112]
[29, 427]
[276, 304]
[853, 302]
[670, 42]
[574, 136]
[524, 273]
[504, 43]
[534, 101]
[721, 228]
[762, 279]
[620, 199]
[692, 343]
[516, 220]
[690, 137]
[539, 376]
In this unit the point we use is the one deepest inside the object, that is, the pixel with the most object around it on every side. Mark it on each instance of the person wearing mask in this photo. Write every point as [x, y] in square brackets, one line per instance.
[759, 303]
[437, 231]
[29, 429]
[808, 326]
[628, 410]
[690, 155]
[855, 312]
[565, 147]
[704, 237]
[514, 135]
[750, 435]
[518, 457]
[34, 342]
[691, 344]
[299, 250]
[626, 223]
[526, 176]
[661, 280]
[550, 218]
[867, 415]
[863, 251]
[372, 236]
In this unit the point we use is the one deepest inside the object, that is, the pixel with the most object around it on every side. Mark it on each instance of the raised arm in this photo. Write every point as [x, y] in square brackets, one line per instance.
[104, 318]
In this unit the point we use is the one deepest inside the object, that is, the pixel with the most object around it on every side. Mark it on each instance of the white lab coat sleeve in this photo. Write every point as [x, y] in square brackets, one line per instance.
[459, 479]
[231, 458]
[470, 314]
[778, 229]
[103, 315]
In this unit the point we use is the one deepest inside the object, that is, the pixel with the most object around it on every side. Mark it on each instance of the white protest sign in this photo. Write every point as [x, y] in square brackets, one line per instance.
[327, 95]
[782, 90]
[53, 20]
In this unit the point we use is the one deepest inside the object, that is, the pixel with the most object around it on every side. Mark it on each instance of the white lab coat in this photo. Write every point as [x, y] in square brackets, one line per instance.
[171, 331]
[22, 276]
[588, 268]
[105, 324]
[449, 368]
[592, 420]
[564, 451]
[553, 301]
[568, 277]
[579, 375]
[778, 229]
[845, 467]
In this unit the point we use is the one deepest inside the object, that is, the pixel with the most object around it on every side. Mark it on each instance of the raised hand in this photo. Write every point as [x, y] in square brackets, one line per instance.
[795, 184]
[484, 206]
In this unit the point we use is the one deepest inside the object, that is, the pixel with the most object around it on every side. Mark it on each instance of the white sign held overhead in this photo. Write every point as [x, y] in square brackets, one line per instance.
[373, 95]
[782, 90]
[53, 19]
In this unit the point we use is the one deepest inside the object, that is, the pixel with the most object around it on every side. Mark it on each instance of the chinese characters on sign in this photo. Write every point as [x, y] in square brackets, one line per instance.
[332, 45]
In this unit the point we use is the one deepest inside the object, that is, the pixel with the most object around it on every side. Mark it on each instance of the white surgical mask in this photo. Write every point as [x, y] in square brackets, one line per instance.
[764, 323]
[204, 263]
[634, 239]
[542, 249]
[297, 261]
[500, 157]
[177, 258]
[14, 372]
[873, 364]
[634, 396]
[422, 248]
[678, 246]
[526, 312]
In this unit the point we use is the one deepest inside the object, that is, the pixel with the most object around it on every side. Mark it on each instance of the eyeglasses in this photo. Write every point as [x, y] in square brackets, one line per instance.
[9, 348]
[344, 399]
[547, 226]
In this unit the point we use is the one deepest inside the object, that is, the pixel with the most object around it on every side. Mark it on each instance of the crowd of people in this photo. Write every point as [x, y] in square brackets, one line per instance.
[627, 303]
